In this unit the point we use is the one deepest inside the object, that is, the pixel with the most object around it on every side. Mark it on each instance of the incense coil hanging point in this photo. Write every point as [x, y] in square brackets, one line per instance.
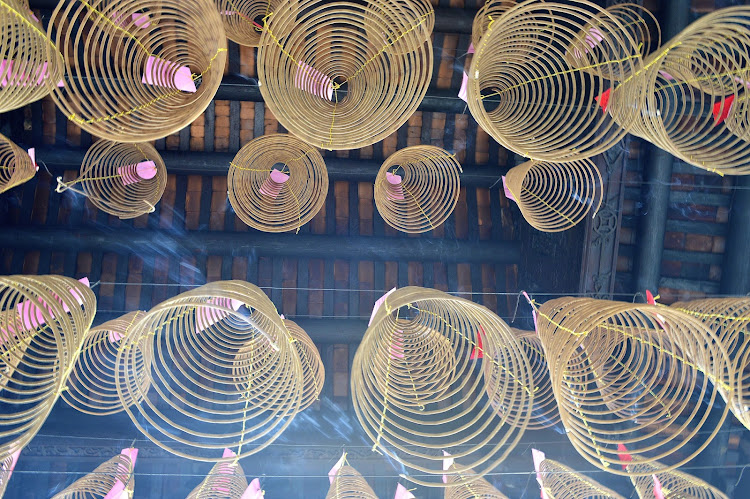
[277, 183]
[649, 371]
[335, 87]
[115, 477]
[125, 180]
[144, 68]
[562, 482]
[554, 196]
[526, 95]
[192, 346]
[349, 484]
[675, 483]
[16, 165]
[243, 19]
[29, 61]
[490, 11]
[396, 388]
[92, 388]
[417, 188]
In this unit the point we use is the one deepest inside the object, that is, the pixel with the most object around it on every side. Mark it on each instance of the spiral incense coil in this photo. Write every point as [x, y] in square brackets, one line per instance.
[24, 63]
[490, 11]
[632, 374]
[555, 196]
[561, 482]
[673, 483]
[349, 484]
[524, 92]
[729, 319]
[332, 85]
[544, 413]
[225, 481]
[277, 183]
[92, 388]
[113, 475]
[203, 396]
[403, 395]
[691, 96]
[459, 488]
[417, 188]
[313, 370]
[408, 24]
[6, 470]
[587, 50]
[243, 19]
[16, 166]
[125, 180]
[136, 70]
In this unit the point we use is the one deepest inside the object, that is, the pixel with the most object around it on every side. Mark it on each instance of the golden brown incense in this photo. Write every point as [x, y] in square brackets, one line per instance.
[349, 484]
[16, 166]
[561, 482]
[101, 481]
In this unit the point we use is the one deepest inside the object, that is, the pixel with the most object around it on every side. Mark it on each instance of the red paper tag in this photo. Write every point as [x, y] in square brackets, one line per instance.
[623, 455]
[603, 99]
[721, 109]
[477, 352]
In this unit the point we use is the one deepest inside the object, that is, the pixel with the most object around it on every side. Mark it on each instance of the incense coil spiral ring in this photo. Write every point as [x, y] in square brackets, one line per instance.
[545, 109]
[16, 166]
[555, 196]
[460, 489]
[400, 16]
[729, 319]
[409, 432]
[427, 190]
[313, 370]
[43, 320]
[270, 206]
[24, 53]
[678, 483]
[350, 484]
[562, 482]
[109, 178]
[6, 470]
[134, 81]
[330, 86]
[101, 481]
[628, 374]
[225, 481]
[241, 16]
[191, 343]
[490, 11]
[691, 95]
[92, 388]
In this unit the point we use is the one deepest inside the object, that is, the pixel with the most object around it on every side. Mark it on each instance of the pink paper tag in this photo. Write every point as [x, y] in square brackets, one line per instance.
[447, 463]
[273, 184]
[118, 489]
[471, 48]
[336, 468]
[538, 457]
[378, 304]
[477, 352]
[139, 19]
[313, 81]
[464, 85]
[394, 189]
[253, 490]
[31, 13]
[403, 493]
[208, 316]
[158, 71]
[508, 194]
[132, 174]
[397, 347]
[11, 467]
[32, 155]
[658, 492]
[592, 39]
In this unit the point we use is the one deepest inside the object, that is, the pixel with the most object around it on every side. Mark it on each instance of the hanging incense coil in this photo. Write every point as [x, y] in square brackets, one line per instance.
[226, 480]
[729, 319]
[6, 469]
[408, 25]
[691, 95]
[631, 374]
[125, 180]
[459, 488]
[524, 92]
[243, 19]
[313, 370]
[277, 183]
[554, 196]
[417, 188]
[402, 396]
[334, 87]
[561, 482]
[43, 320]
[490, 11]
[28, 58]
[673, 483]
[191, 344]
[349, 484]
[92, 388]
[16, 166]
[113, 475]
[136, 70]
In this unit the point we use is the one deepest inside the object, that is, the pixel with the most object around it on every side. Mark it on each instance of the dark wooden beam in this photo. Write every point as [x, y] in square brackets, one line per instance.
[735, 277]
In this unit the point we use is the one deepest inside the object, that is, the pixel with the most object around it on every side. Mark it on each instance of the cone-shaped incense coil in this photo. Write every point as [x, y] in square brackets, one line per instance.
[554, 197]
[16, 166]
[417, 188]
[92, 388]
[408, 24]
[125, 180]
[24, 52]
[277, 183]
[43, 320]
[312, 365]
[134, 81]
[632, 374]
[349, 484]
[115, 475]
[673, 483]
[372, 86]
[191, 344]
[243, 19]
[691, 96]
[729, 319]
[561, 482]
[459, 488]
[527, 96]
[226, 480]
[490, 11]
[402, 396]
